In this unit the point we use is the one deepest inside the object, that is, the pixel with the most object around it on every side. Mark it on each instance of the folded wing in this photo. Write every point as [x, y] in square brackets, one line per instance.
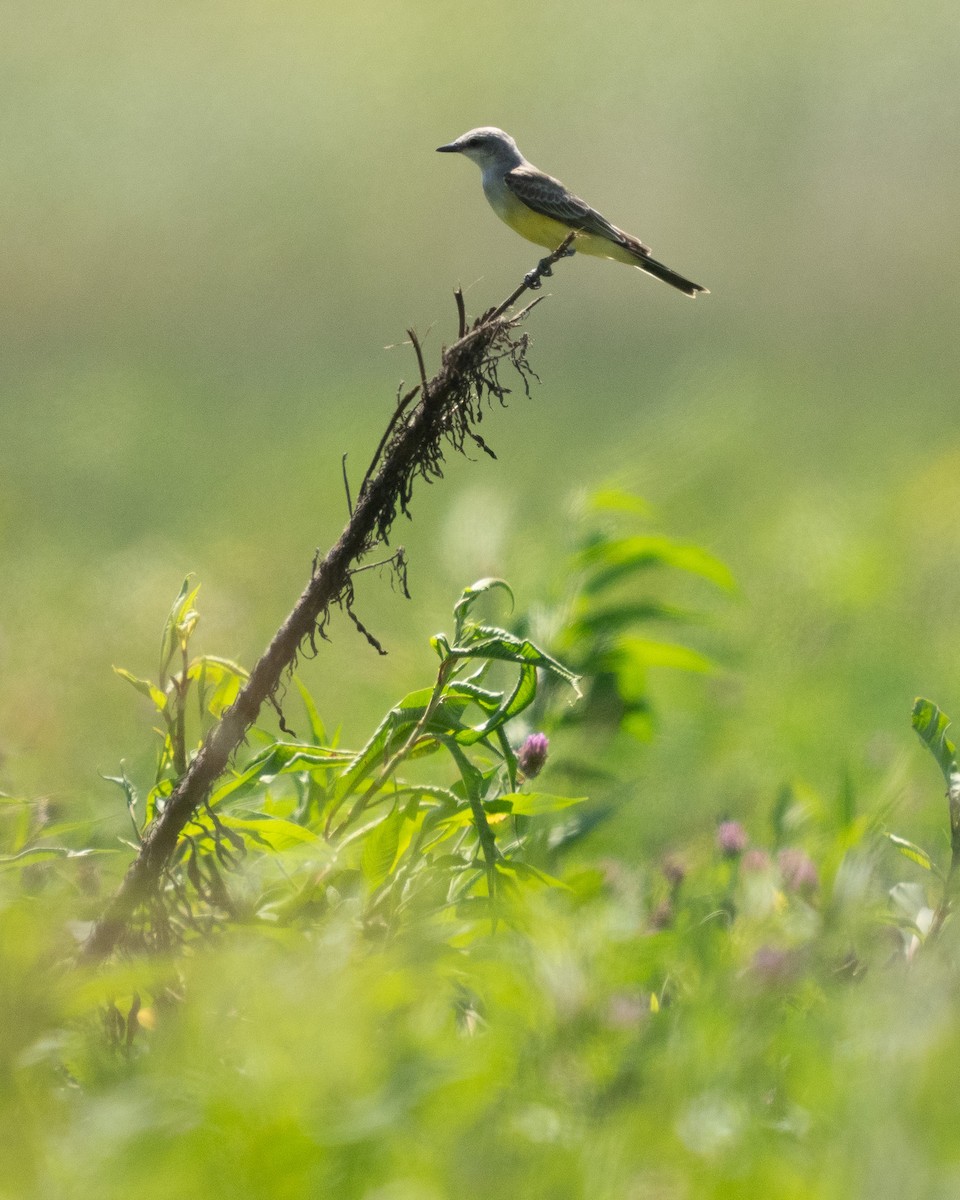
[548, 196]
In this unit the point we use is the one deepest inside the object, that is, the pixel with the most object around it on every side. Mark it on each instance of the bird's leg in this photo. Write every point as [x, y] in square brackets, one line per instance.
[545, 268]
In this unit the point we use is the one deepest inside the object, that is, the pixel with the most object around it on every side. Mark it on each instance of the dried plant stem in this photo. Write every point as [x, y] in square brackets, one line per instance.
[446, 412]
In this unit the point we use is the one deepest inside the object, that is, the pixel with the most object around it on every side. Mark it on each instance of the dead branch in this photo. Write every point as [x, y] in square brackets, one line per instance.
[417, 437]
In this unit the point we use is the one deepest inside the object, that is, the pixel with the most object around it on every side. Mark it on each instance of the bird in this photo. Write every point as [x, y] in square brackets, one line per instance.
[541, 209]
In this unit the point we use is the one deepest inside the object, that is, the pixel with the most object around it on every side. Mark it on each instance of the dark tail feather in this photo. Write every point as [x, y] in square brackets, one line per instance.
[659, 271]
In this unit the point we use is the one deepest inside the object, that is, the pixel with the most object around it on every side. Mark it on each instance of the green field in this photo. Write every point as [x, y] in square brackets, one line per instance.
[219, 222]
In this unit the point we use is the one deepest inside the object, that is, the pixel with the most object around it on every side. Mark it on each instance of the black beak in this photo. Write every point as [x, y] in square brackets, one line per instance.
[451, 148]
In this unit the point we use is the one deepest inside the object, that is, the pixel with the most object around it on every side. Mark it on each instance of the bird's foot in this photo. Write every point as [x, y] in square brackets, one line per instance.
[532, 279]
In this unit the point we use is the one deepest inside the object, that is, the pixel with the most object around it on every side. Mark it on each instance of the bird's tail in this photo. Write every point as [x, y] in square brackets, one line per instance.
[641, 255]
[657, 269]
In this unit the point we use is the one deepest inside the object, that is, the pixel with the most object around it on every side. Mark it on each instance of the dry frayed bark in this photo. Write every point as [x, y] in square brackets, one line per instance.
[438, 415]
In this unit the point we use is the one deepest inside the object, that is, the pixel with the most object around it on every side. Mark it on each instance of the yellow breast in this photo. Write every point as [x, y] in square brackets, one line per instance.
[545, 231]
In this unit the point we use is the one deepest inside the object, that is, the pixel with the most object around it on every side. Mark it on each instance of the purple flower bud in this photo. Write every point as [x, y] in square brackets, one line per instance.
[797, 871]
[756, 861]
[731, 839]
[533, 754]
[772, 965]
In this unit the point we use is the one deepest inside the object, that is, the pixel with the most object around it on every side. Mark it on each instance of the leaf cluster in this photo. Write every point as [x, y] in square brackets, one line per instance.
[427, 818]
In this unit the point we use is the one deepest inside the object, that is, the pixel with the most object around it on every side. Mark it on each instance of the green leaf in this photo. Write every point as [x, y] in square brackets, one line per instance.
[179, 624]
[522, 695]
[528, 872]
[441, 645]
[224, 677]
[469, 595]
[380, 848]
[931, 725]
[501, 646]
[913, 852]
[635, 655]
[280, 758]
[313, 716]
[608, 561]
[614, 499]
[388, 734]
[619, 616]
[536, 804]
[144, 687]
[275, 833]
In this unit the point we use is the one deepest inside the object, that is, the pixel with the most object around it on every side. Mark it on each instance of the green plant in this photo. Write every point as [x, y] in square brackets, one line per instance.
[921, 914]
[606, 623]
[314, 825]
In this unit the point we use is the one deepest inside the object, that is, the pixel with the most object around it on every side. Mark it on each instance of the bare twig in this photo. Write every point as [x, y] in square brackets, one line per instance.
[418, 350]
[346, 485]
[413, 446]
[461, 313]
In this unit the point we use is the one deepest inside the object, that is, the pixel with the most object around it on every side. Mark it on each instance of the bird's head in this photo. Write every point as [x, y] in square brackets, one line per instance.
[486, 146]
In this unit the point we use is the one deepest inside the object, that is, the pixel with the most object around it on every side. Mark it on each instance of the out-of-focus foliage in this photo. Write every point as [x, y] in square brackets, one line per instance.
[215, 216]
[366, 985]
[613, 598]
[705, 1025]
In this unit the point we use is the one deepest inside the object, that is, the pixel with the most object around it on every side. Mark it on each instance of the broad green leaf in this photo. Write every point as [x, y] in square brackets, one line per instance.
[638, 654]
[932, 724]
[380, 848]
[608, 561]
[536, 804]
[224, 677]
[614, 499]
[619, 616]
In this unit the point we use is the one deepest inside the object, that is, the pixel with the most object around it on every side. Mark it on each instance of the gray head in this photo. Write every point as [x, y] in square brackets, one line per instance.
[486, 146]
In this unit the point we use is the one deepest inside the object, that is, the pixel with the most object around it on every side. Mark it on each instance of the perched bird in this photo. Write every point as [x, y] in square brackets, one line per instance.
[541, 209]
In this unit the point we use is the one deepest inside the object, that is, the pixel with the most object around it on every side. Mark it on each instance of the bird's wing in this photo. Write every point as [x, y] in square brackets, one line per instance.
[549, 197]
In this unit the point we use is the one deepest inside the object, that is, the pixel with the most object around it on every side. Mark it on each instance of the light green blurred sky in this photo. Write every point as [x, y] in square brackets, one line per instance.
[217, 215]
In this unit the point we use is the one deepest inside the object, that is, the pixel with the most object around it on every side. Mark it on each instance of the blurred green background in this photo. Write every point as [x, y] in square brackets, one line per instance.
[216, 216]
